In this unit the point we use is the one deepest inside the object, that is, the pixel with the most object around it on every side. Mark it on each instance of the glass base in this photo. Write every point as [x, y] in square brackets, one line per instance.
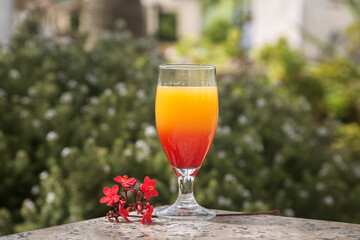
[185, 207]
[176, 212]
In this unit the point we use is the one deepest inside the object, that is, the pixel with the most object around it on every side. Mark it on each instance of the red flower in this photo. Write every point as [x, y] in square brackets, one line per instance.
[126, 181]
[123, 212]
[148, 187]
[147, 215]
[111, 195]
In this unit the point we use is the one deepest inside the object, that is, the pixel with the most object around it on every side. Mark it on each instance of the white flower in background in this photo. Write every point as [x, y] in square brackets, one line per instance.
[128, 152]
[242, 119]
[94, 100]
[32, 91]
[107, 92]
[248, 139]
[278, 159]
[72, 84]
[230, 178]
[328, 200]
[306, 106]
[357, 171]
[73, 218]
[50, 197]
[227, 79]
[111, 111]
[223, 130]
[104, 127]
[24, 113]
[246, 204]
[121, 89]
[238, 150]
[150, 131]
[49, 114]
[106, 168]
[84, 89]
[66, 97]
[246, 193]
[340, 162]
[65, 152]
[29, 204]
[221, 154]
[322, 131]
[303, 194]
[25, 100]
[242, 163]
[52, 136]
[324, 169]
[36, 123]
[92, 79]
[141, 94]
[289, 212]
[259, 204]
[143, 150]
[44, 175]
[320, 186]
[35, 190]
[3, 94]
[94, 133]
[60, 75]
[261, 102]
[290, 131]
[131, 124]
[14, 74]
[224, 201]
[64, 40]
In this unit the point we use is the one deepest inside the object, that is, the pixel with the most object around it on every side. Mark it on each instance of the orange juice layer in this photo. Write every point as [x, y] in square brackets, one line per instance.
[186, 119]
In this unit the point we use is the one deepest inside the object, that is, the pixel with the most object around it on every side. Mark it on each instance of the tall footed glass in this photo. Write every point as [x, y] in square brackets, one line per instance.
[186, 111]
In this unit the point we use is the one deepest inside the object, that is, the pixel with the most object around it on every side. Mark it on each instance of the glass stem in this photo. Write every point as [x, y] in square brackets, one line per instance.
[186, 177]
[186, 184]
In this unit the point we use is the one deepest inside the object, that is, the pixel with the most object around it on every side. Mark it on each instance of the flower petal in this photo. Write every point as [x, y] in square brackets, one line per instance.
[143, 220]
[119, 179]
[114, 189]
[116, 198]
[154, 192]
[146, 180]
[152, 183]
[106, 190]
[104, 199]
[147, 195]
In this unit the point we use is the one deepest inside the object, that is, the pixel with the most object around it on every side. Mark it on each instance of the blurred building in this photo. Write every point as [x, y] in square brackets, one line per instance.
[184, 16]
[305, 23]
[6, 10]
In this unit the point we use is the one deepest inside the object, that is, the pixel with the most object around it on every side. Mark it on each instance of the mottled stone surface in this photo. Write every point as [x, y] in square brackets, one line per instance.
[235, 227]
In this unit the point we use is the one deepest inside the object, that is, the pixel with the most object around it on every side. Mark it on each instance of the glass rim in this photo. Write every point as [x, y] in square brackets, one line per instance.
[186, 67]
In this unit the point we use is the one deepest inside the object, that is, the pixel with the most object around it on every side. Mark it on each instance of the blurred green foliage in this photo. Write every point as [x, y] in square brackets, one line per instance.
[220, 16]
[223, 55]
[72, 120]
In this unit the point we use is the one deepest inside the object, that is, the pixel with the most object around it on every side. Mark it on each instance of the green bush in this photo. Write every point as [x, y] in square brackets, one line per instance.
[72, 120]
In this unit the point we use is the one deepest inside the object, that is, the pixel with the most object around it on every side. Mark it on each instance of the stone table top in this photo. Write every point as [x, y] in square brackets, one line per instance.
[234, 227]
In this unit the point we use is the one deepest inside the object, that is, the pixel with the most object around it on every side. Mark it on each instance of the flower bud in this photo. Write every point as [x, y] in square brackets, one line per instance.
[139, 193]
[147, 204]
[139, 207]
[132, 190]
